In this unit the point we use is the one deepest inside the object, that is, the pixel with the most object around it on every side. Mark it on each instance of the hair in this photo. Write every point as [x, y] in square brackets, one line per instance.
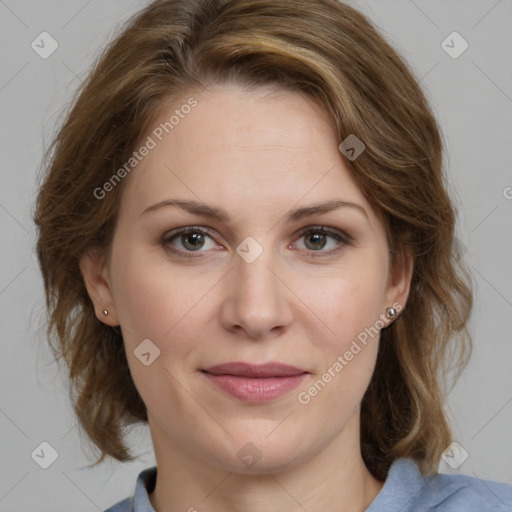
[332, 53]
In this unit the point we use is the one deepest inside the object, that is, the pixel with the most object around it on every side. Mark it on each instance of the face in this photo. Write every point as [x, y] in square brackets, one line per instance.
[255, 285]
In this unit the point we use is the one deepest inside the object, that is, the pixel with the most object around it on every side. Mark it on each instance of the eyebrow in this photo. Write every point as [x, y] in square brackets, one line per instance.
[219, 214]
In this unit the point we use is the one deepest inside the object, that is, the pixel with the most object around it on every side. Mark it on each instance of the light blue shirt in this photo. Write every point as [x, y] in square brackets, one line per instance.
[405, 490]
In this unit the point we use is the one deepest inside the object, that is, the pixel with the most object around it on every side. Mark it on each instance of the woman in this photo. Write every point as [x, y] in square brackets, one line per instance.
[247, 242]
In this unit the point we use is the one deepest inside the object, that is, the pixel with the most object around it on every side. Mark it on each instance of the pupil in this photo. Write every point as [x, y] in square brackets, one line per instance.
[316, 237]
[195, 238]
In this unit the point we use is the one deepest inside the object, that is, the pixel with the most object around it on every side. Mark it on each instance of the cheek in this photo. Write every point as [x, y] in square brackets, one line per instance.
[351, 306]
[351, 302]
[149, 299]
[348, 352]
[155, 302]
[160, 301]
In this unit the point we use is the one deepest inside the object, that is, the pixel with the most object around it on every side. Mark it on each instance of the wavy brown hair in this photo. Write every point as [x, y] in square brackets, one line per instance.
[333, 53]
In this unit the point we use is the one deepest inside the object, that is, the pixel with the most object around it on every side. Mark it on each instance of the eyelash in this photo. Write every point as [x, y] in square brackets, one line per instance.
[169, 237]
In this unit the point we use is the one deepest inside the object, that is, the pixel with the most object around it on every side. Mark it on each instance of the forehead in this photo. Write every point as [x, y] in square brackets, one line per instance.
[258, 148]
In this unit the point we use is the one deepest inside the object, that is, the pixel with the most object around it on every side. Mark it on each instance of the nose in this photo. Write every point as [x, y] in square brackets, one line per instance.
[256, 302]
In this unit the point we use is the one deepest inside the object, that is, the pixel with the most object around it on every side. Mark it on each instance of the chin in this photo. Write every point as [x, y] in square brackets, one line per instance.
[258, 454]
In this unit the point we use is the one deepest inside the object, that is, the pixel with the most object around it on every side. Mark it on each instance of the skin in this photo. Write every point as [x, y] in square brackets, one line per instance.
[257, 154]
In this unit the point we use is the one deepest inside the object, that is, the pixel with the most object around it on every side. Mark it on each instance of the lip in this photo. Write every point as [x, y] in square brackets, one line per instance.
[255, 383]
[238, 368]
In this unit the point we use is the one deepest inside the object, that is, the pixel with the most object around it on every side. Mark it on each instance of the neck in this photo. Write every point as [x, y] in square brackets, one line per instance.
[335, 479]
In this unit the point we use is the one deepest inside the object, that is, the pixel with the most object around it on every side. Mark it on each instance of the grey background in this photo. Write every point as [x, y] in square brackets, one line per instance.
[472, 98]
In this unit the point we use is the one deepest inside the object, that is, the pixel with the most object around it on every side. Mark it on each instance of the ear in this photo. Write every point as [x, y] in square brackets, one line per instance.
[97, 282]
[399, 279]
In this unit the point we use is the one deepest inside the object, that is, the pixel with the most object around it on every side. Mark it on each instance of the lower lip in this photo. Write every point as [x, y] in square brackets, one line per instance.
[256, 389]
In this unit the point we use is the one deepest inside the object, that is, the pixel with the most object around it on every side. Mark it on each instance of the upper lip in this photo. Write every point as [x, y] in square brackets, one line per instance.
[272, 369]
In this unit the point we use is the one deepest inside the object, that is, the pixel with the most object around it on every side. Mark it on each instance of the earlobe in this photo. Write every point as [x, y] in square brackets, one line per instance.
[94, 273]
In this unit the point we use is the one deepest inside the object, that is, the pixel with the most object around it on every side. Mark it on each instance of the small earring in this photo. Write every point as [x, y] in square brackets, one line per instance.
[105, 312]
[391, 313]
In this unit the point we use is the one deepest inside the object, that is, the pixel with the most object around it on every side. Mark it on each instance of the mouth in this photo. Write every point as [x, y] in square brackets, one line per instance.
[255, 383]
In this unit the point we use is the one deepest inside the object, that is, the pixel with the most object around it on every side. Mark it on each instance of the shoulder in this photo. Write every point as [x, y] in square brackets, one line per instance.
[407, 489]
[468, 493]
[123, 506]
[139, 502]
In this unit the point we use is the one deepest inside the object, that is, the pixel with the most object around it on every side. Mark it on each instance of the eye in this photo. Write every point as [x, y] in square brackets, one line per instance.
[317, 238]
[191, 238]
